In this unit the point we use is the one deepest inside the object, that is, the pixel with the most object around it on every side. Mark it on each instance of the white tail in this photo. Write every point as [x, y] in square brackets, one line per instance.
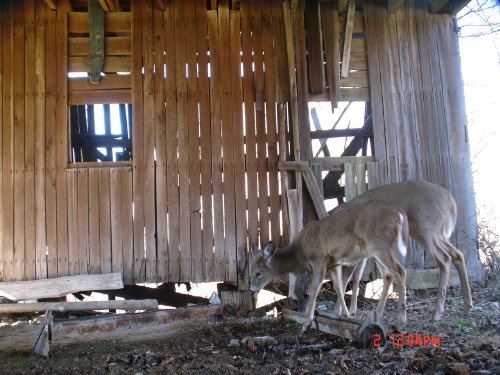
[431, 212]
[375, 229]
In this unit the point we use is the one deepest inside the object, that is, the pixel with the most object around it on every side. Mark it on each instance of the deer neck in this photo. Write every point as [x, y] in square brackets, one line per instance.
[286, 260]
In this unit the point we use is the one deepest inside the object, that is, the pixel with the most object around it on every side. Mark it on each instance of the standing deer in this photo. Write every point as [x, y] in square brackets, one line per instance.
[432, 214]
[375, 229]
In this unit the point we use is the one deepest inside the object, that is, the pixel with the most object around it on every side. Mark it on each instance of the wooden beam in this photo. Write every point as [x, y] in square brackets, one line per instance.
[315, 193]
[110, 5]
[300, 166]
[59, 287]
[96, 43]
[348, 39]
[104, 325]
[333, 133]
[52, 4]
[437, 5]
[128, 305]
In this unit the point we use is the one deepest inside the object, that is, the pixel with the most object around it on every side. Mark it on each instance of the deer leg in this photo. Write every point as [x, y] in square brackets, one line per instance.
[400, 280]
[387, 281]
[317, 278]
[357, 273]
[339, 284]
[459, 262]
[444, 262]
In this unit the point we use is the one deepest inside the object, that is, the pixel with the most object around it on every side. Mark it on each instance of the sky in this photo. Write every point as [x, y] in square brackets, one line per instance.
[480, 57]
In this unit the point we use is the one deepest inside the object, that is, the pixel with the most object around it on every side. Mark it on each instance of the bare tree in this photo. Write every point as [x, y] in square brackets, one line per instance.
[479, 17]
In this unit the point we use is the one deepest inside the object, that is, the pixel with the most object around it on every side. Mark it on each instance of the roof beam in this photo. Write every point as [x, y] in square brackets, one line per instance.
[110, 5]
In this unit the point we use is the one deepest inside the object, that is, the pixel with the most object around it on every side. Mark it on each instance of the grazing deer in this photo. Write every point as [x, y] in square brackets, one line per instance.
[432, 213]
[375, 229]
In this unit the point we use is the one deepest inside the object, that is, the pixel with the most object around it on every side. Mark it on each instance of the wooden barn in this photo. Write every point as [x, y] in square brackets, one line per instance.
[161, 138]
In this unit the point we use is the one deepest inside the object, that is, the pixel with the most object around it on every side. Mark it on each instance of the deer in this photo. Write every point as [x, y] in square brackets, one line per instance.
[375, 229]
[432, 215]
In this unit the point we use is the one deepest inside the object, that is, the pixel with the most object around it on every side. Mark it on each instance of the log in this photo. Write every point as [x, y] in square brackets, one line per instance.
[128, 305]
[59, 287]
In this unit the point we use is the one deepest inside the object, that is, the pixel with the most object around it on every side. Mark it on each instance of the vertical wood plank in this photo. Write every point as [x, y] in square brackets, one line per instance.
[50, 144]
[7, 144]
[372, 171]
[259, 81]
[330, 29]
[376, 90]
[83, 221]
[160, 147]
[1, 137]
[346, 55]
[250, 137]
[94, 222]
[116, 186]
[315, 47]
[193, 129]
[423, 152]
[216, 142]
[73, 245]
[62, 137]
[149, 140]
[137, 140]
[29, 142]
[227, 144]
[183, 141]
[239, 153]
[350, 181]
[360, 178]
[205, 139]
[271, 120]
[171, 141]
[127, 227]
[105, 219]
[18, 151]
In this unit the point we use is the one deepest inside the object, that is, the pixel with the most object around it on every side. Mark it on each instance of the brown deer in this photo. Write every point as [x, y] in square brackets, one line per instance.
[432, 213]
[375, 229]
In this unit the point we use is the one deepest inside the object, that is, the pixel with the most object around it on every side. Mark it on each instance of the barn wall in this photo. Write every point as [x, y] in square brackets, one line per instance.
[419, 111]
[203, 181]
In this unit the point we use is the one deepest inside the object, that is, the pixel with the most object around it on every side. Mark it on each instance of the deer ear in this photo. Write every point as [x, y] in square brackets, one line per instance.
[268, 250]
[255, 250]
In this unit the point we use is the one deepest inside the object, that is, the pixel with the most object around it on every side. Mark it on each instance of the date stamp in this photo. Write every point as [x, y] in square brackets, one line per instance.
[409, 339]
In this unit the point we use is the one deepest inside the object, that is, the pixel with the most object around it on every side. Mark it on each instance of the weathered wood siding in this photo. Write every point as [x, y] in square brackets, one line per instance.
[203, 182]
[419, 111]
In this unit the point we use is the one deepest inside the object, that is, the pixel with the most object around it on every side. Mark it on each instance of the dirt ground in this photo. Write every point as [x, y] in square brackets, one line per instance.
[467, 346]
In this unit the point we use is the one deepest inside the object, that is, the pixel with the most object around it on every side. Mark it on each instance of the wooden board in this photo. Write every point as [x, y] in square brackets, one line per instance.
[50, 150]
[118, 22]
[29, 141]
[227, 144]
[61, 139]
[117, 45]
[59, 287]
[215, 115]
[196, 256]
[137, 140]
[238, 154]
[18, 93]
[149, 139]
[205, 141]
[40, 223]
[182, 142]
[250, 136]
[160, 147]
[171, 143]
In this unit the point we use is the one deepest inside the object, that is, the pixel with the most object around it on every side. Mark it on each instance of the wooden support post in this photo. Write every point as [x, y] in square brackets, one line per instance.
[96, 42]
[348, 39]
[295, 212]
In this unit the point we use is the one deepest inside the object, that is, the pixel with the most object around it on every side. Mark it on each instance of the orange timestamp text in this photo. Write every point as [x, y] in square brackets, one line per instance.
[408, 339]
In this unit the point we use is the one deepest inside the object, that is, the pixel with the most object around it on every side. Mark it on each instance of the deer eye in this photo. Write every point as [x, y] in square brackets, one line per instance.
[258, 275]
[306, 295]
